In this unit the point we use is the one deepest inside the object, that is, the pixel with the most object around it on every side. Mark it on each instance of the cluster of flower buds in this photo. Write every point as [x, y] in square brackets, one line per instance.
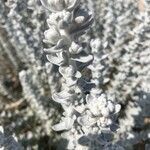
[99, 110]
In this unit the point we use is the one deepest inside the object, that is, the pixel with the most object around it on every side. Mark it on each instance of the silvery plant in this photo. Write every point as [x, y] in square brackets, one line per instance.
[89, 87]
[89, 114]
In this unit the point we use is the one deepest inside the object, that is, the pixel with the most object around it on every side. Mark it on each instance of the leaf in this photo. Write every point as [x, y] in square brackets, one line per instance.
[114, 127]
[54, 60]
[84, 140]
[61, 97]
[66, 124]
[52, 50]
[84, 85]
[67, 71]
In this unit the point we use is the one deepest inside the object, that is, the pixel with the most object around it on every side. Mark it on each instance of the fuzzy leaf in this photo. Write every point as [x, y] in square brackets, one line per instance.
[61, 97]
[84, 85]
[54, 60]
[66, 124]
[52, 50]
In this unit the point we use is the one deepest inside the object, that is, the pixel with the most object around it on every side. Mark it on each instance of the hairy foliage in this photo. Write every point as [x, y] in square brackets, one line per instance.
[91, 81]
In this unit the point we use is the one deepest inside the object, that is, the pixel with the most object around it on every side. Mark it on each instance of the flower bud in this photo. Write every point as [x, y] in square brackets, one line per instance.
[52, 35]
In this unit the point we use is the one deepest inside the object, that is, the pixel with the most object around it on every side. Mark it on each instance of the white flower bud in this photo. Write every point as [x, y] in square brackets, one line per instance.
[79, 19]
[52, 35]
[105, 112]
[110, 106]
[75, 48]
